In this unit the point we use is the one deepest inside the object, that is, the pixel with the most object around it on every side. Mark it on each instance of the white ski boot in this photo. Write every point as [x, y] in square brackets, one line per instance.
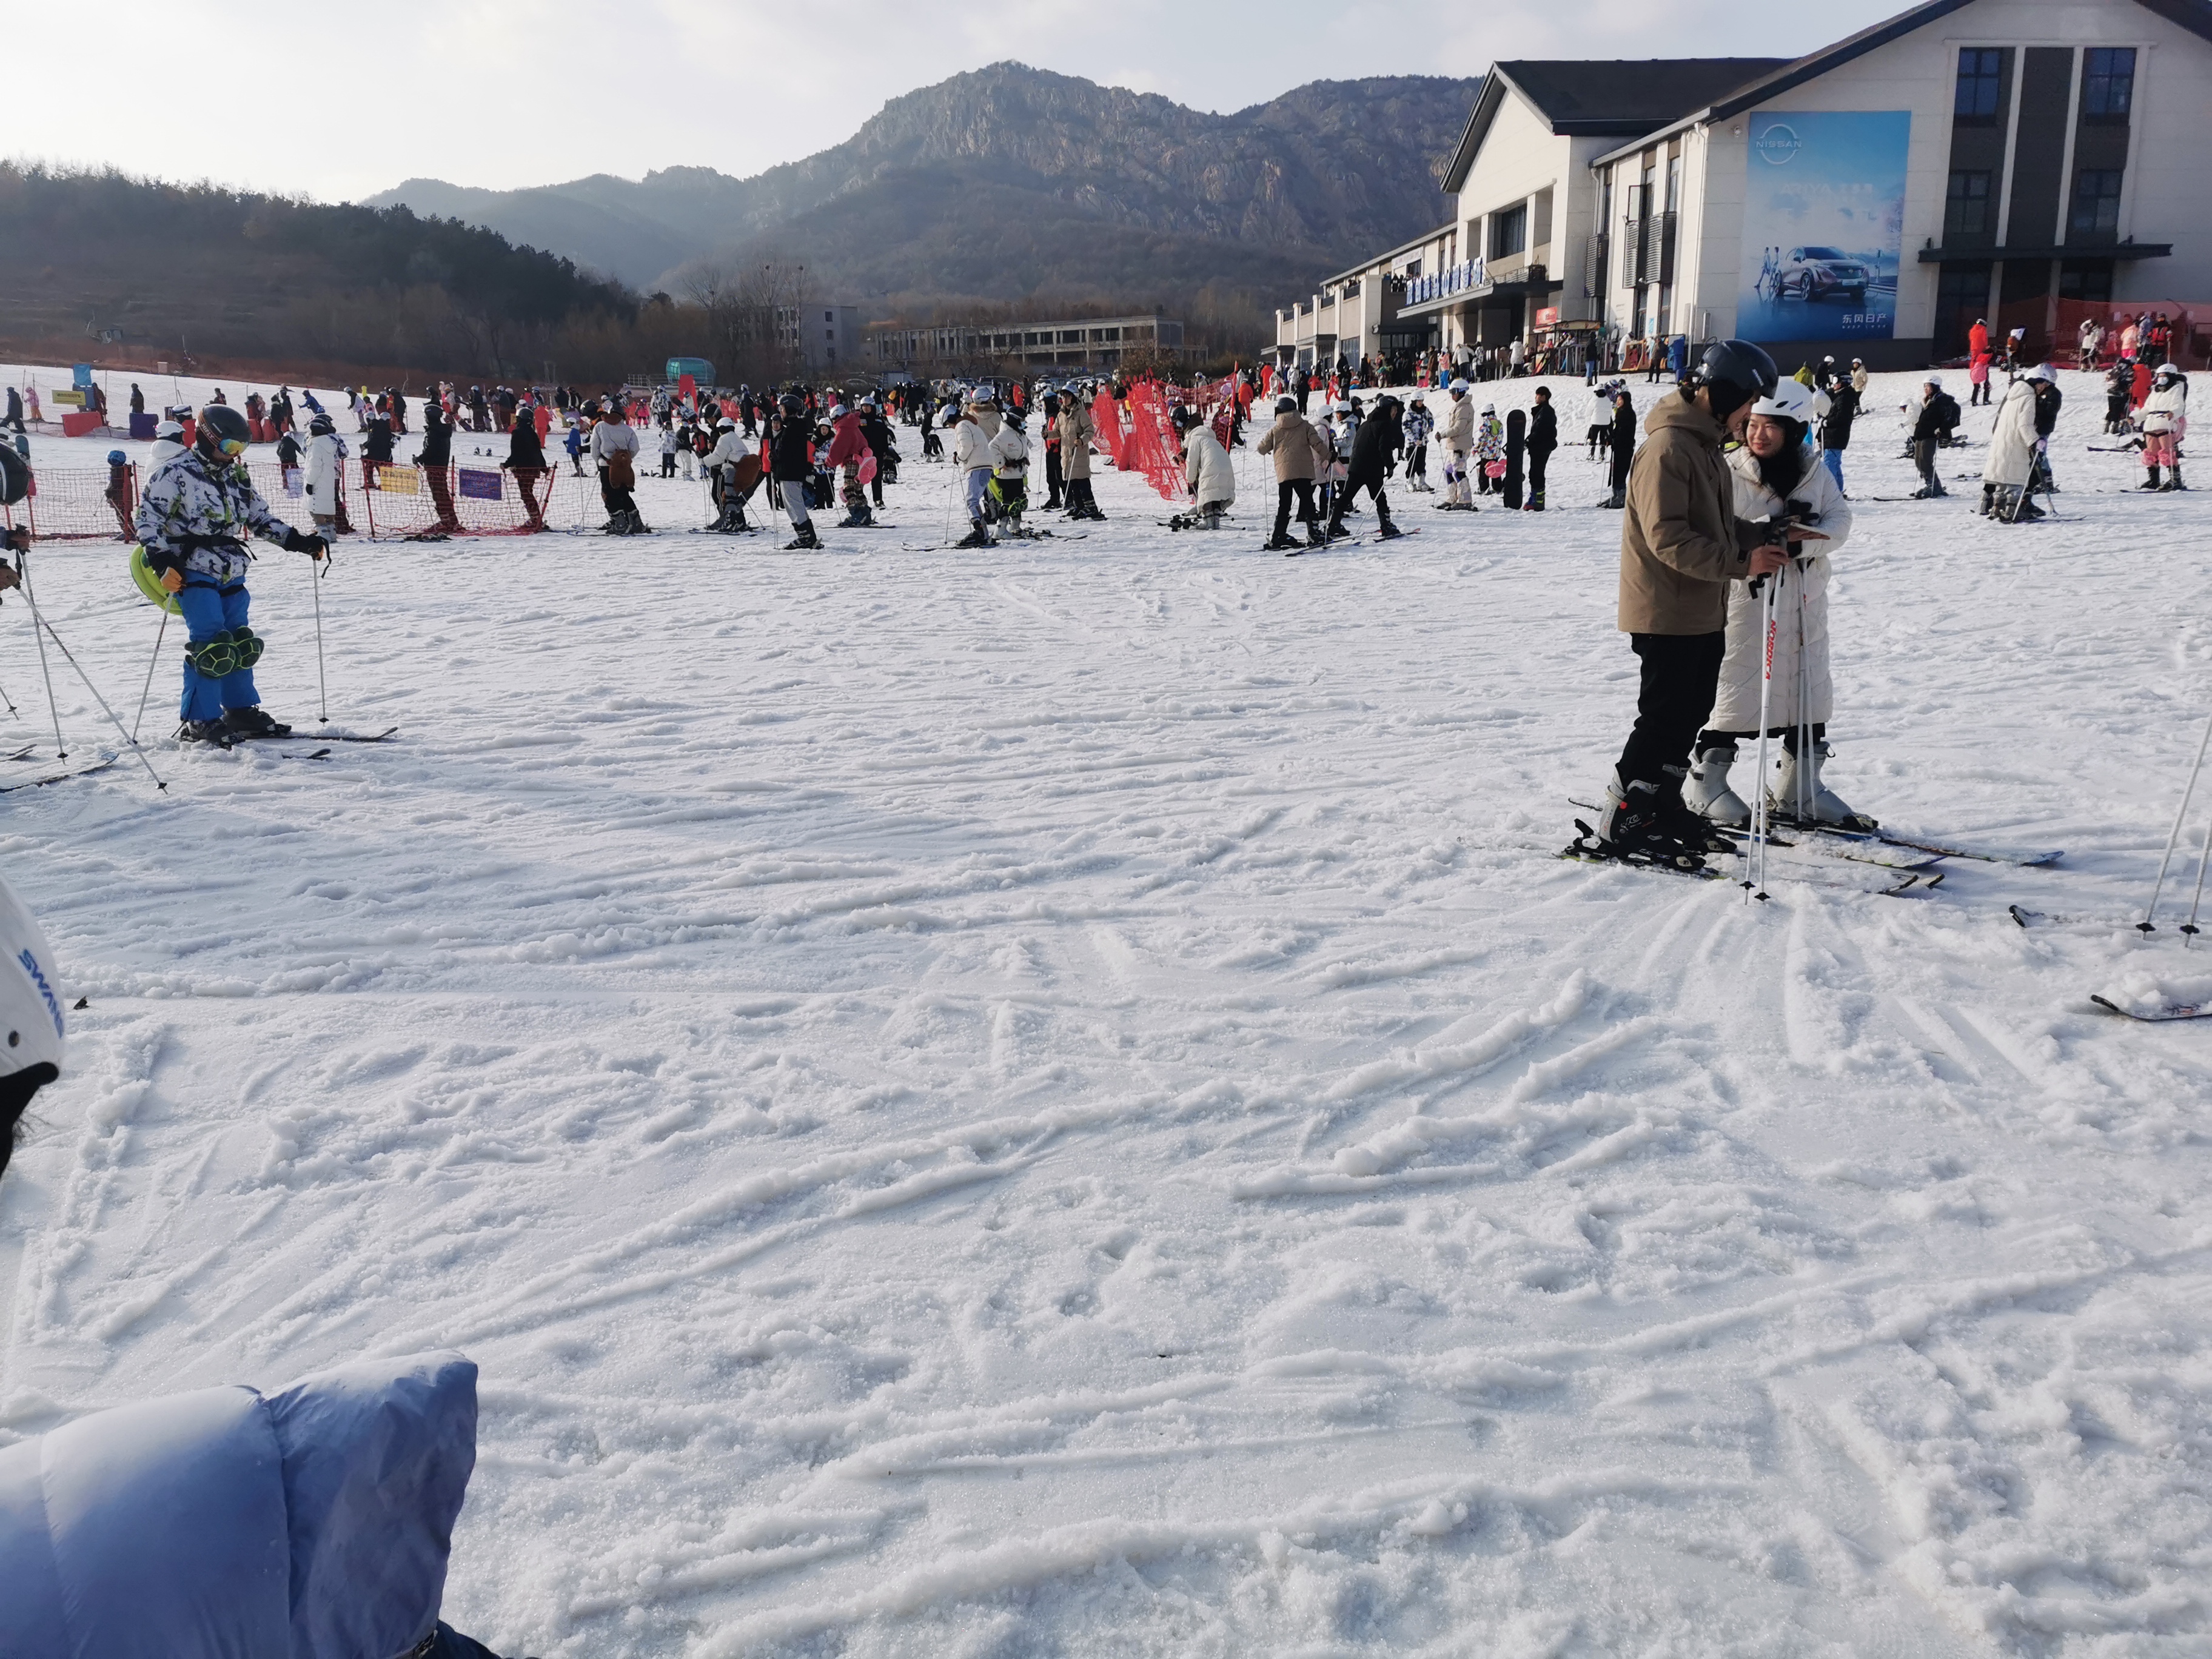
[1706, 792]
[1827, 806]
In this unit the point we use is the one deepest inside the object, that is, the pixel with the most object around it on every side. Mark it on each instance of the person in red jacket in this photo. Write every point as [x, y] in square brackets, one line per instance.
[848, 444]
[1977, 362]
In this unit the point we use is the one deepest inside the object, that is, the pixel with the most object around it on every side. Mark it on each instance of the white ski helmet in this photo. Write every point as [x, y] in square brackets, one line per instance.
[2040, 372]
[1790, 400]
[31, 1029]
[2165, 372]
[1458, 388]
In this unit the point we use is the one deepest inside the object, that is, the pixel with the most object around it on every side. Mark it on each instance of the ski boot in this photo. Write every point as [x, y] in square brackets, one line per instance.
[1706, 792]
[1315, 537]
[2150, 479]
[253, 722]
[1279, 544]
[806, 541]
[858, 519]
[978, 537]
[1827, 807]
[204, 731]
[2173, 477]
[1631, 830]
[1387, 531]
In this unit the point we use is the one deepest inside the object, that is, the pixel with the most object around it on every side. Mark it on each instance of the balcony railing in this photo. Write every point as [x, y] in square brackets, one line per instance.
[1442, 284]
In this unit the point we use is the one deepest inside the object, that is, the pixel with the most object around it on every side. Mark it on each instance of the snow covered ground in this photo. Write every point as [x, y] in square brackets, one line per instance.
[1056, 1101]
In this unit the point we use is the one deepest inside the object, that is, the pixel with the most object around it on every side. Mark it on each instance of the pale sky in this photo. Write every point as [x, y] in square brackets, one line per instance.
[340, 101]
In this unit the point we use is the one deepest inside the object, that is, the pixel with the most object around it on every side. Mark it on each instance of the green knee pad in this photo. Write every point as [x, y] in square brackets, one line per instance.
[226, 653]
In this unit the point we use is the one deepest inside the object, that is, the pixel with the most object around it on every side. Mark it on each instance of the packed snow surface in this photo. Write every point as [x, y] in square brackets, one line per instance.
[1057, 1100]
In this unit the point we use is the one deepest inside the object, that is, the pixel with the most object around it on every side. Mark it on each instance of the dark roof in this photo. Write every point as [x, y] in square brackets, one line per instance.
[2193, 16]
[1604, 98]
[1621, 95]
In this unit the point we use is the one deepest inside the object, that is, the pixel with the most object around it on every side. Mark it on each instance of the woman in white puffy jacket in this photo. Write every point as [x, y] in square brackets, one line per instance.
[2164, 418]
[1775, 467]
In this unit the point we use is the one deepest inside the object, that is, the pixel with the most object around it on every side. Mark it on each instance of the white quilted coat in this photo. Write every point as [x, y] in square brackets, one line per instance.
[2012, 446]
[1736, 708]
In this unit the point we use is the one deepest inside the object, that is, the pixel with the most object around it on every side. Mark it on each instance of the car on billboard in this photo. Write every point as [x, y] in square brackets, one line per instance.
[1816, 273]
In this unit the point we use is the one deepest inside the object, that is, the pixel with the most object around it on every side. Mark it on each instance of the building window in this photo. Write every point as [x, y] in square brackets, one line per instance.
[2096, 203]
[2108, 84]
[1962, 295]
[1967, 208]
[2087, 280]
[1981, 76]
[1509, 232]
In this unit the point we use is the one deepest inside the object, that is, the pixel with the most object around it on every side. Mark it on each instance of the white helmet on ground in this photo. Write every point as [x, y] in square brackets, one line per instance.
[31, 1029]
[1790, 400]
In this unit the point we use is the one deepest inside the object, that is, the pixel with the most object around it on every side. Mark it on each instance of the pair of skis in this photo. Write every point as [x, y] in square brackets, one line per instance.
[1587, 848]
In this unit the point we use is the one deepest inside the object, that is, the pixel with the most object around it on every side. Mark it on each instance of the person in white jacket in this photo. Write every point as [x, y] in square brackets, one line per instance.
[1777, 474]
[1009, 471]
[614, 446]
[2011, 465]
[971, 455]
[325, 470]
[1458, 434]
[1207, 470]
[2164, 418]
[721, 468]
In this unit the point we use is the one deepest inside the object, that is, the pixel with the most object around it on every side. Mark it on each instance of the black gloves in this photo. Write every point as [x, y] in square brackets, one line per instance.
[313, 546]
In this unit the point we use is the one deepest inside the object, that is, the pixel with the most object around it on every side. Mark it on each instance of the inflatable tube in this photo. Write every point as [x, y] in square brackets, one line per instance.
[149, 584]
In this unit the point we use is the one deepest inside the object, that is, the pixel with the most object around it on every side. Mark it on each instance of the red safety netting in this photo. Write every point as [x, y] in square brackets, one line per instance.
[1152, 446]
[81, 504]
[1106, 416]
[401, 502]
[2183, 338]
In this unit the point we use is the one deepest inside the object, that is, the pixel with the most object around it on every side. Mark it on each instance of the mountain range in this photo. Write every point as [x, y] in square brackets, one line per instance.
[1009, 182]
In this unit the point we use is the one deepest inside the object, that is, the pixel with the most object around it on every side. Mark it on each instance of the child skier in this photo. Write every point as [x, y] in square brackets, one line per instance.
[1010, 470]
[198, 509]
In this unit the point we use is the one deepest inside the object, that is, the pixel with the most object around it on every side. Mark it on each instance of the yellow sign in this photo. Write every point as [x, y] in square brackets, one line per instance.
[399, 480]
[68, 395]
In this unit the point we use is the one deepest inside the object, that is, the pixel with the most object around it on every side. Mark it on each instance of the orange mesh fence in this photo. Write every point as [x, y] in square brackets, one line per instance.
[1152, 446]
[1113, 437]
[80, 504]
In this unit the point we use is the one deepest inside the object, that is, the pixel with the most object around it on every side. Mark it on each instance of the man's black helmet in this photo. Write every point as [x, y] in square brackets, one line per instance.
[1737, 371]
[221, 431]
[791, 404]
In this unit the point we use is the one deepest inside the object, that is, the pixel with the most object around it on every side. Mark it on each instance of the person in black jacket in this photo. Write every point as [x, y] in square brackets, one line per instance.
[791, 468]
[2048, 398]
[436, 460]
[1836, 430]
[525, 458]
[1543, 439]
[1939, 411]
[138, 399]
[1378, 440]
[1623, 434]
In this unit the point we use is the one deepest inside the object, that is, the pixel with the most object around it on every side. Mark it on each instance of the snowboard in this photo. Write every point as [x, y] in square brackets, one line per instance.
[2184, 1011]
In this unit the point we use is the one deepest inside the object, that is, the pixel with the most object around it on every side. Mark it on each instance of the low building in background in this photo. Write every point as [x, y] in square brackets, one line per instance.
[824, 336]
[941, 349]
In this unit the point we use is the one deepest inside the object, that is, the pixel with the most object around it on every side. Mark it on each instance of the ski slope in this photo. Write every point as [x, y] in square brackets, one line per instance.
[1057, 1100]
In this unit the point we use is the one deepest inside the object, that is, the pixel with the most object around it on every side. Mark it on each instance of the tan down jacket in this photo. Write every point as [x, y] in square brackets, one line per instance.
[1736, 708]
[1680, 541]
[1299, 450]
[1077, 429]
[1458, 428]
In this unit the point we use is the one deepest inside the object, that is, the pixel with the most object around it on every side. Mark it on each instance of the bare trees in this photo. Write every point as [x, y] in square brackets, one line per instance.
[750, 308]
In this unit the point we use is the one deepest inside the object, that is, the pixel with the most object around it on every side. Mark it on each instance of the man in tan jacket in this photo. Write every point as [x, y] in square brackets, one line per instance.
[1299, 452]
[1681, 544]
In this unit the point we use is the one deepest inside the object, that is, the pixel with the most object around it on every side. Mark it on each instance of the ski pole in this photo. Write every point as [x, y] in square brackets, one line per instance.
[23, 562]
[2145, 924]
[2189, 929]
[40, 620]
[1755, 879]
[1804, 712]
[159, 634]
[315, 569]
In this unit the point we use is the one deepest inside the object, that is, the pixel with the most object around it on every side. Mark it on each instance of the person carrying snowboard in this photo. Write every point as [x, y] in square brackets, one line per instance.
[197, 511]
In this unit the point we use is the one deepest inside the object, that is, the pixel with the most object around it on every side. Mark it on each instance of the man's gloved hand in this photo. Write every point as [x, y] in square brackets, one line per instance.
[313, 546]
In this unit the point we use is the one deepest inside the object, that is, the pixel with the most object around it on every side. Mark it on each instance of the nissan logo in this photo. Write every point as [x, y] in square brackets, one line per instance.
[1777, 146]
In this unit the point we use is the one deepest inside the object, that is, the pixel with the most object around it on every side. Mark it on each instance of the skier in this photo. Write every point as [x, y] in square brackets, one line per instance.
[790, 464]
[614, 452]
[198, 508]
[2010, 470]
[1370, 450]
[1938, 415]
[1010, 470]
[1836, 430]
[1054, 480]
[2165, 421]
[721, 469]
[1077, 429]
[1681, 544]
[325, 470]
[1777, 479]
[435, 457]
[1299, 452]
[30, 988]
[1489, 452]
[1621, 433]
[1599, 434]
[2119, 382]
[1458, 431]
[2048, 400]
[1207, 470]
[1418, 425]
[883, 444]
[848, 444]
[1543, 439]
[972, 453]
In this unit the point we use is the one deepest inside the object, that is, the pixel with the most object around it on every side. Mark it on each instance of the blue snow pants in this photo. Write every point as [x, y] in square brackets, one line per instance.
[209, 611]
